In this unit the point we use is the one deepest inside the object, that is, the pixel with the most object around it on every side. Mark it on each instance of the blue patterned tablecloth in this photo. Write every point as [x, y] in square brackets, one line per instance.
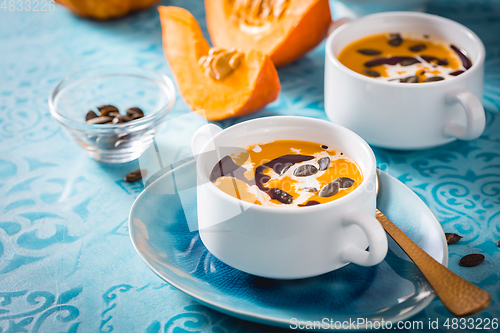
[66, 260]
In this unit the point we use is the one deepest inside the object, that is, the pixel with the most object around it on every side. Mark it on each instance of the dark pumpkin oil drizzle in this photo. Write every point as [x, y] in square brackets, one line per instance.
[278, 164]
[227, 168]
[463, 56]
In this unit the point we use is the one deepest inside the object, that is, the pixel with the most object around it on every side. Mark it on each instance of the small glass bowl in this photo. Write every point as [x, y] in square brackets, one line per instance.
[123, 87]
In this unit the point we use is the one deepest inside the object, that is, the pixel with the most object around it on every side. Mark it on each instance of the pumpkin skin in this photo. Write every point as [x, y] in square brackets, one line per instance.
[251, 86]
[302, 26]
[105, 9]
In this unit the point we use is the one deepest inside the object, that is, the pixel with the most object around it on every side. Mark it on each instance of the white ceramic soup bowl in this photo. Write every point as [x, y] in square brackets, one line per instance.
[287, 242]
[405, 116]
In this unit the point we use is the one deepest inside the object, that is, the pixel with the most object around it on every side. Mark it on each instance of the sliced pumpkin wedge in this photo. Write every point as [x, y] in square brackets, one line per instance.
[221, 83]
[104, 9]
[283, 29]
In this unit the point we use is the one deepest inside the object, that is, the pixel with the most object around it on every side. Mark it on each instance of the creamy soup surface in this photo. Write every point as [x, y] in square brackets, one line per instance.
[405, 58]
[287, 173]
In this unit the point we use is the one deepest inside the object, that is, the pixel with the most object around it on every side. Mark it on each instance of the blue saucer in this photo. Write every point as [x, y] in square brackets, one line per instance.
[163, 230]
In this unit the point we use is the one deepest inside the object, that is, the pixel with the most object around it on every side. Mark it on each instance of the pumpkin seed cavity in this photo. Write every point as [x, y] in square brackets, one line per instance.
[345, 182]
[285, 169]
[259, 12]
[434, 79]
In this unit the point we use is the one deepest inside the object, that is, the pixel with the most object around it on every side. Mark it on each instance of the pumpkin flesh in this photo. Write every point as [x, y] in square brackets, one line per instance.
[300, 27]
[251, 86]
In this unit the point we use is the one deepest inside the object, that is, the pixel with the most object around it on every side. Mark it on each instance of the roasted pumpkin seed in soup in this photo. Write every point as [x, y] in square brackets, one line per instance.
[287, 172]
[405, 58]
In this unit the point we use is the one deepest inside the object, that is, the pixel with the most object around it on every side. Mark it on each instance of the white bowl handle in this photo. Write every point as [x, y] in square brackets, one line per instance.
[336, 24]
[474, 112]
[377, 240]
[203, 135]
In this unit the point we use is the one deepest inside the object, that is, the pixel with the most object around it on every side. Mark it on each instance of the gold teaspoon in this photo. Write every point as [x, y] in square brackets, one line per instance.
[459, 296]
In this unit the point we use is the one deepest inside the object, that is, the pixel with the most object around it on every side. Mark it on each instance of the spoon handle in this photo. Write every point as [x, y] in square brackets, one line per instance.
[459, 296]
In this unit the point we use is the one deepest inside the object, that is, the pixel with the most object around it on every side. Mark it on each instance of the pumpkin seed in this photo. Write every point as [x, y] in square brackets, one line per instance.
[114, 114]
[111, 115]
[330, 189]
[309, 203]
[135, 112]
[90, 115]
[202, 60]
[345, 182]
[417, 48]
[135, 175]
[310, 189]
[220, 66]
[369, 52]
[408, 61]
[285, 169]
[410, 79]
[235, 60]
[106, 141]
[324, 163]
[471, 260]
[305, 170]
[371, 72]
[279, 8]
[281, 196]
[452, 238]
[456, 73]
[395, 39]
[219, 63]
[124, 119]
[215, 50]
[105, 109]
[434, 60]
[434, 79]
[99, 120]
[258, 12]
[117, 120]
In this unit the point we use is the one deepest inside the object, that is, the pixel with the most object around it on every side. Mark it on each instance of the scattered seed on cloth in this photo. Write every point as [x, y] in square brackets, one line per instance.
[471, 260]
[452, 238]
[135, 175]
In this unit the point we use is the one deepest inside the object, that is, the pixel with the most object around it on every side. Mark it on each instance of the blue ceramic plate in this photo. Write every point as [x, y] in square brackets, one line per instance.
[164, 232]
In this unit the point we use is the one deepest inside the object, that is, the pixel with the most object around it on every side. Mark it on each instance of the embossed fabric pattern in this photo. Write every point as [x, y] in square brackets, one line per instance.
[66, 260]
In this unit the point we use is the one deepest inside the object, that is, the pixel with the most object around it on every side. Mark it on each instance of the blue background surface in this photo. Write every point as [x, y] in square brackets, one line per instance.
[66, 260]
